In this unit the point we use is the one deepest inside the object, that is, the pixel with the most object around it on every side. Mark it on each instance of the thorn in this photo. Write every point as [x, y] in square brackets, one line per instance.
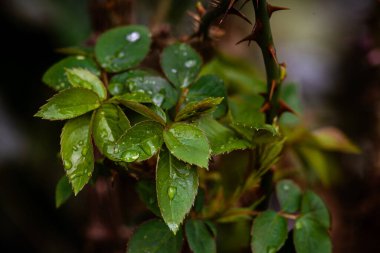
[273, 86]
[234, 11]
[194, 16]
[272, 8]
[230, 4]
[265, 107]
[253, 36]
[284, 107]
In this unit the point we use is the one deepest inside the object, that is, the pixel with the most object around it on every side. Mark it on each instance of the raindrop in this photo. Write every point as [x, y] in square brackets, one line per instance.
[115, 150]
[84, 151]
[132, 37]
[75, 148]
[172, 192]
[121, 55]
[286, 187]
[131, 156]
[173, 70]
[190, 63]
[158, 99]
[67, 164]
[80, 143]
[172, 226]
[80, 57]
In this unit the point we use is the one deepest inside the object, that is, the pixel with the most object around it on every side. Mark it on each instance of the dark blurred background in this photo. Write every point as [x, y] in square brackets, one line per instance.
[332, 50]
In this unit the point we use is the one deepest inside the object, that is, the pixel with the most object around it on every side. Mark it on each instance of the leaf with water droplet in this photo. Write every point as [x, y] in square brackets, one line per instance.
[269, 231]
[55, 76]
[181, 64]
[63, 191]
[122, 48]
[176, 190]
[138, 96]
[78, 167]
[69, 103]
[152, 112]
[197, 108]
[119, 84]
[188, 143]
[109, 124]
[154, 236]
[83, 78]
[137, 144]
[147, 193]
[289, 195]
[245, 110]
[199, 237]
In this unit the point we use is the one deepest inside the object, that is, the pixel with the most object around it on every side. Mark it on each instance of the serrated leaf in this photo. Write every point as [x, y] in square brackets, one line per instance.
[181, 64]
[311, 237]
[63, 191]
[69, 103]
[245, 111]
[152, 112]
[55, 76]
[269, 232]
[139, 143]
[83, 78]
[222, 139]
[188, 143]
[176, 186]
[118, 84]
[122, 48]
[147, 193]
[154, 236]
[313, 207]
[289, 195]
[77, 152]
[199, 237]
[196, 109]
[270, 153]
[109, 124]
[209, 86]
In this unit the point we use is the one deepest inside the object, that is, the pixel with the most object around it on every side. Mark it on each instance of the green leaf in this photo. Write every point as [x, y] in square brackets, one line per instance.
[245, 111]
[76, 151]
[270, 153]
[177, 185]
[289, 195]
[313, 207]
[181, 64]
[147, 193]
[196, 109]
[153, 112]
[209, 86]
[118, 84]
[63, 191]
[55, 76]
[199, 238]
[188, 143]
[139, 97]
[154, 236]
[109, 124]
[332, 139]
[122, 48]
[222, 139]
[139, 143]
[83, 78]
[269, 232]
[69, 103]
[311, 237]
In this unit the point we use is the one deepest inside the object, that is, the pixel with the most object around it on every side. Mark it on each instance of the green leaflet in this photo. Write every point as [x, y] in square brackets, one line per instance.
[138, 96]
[154, 236]
[146, 190]
[269, 232]
[76, 151]
[63, 191]
[122, 48]
[313, 207]
[245, 111]
[83, 78]
[181, 64]
[176, 186]
[118, 84]
[152, 112]
[311, 237]
[199, 237]
[188, 143]
[289, 195]
[139, 143]
[332, 139]
[222, 139]
[55, 76]
[209, 86]
[197, 108]
[109, 124]
[69, 103]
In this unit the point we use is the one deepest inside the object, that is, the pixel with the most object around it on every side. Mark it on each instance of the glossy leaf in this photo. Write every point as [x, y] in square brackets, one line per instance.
[69, 103]
[83, 78]
[199, 237]
[313, 207]
[153, 112]
[196, 109]
[209, 86]
[109, 124]
[139, 143]
[118, 84]
[289, 195]
[311, 237]
[181, 64]
[155, 236]
[147, 193]
[139, 97]
[55, 76]
[269, 232]
[177, 185]
[245, 111]
[122, 48]
[76, 151]
[188, 143]
[222, 139]
[63, 191]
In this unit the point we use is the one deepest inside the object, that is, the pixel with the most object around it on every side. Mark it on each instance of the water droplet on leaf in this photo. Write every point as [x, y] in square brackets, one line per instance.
[132, 37]
[190, 63]
[131, 156]
[172, 192]
[67, 164]
[158, 99]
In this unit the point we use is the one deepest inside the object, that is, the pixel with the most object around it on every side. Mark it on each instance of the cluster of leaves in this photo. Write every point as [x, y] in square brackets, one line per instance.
[121, 112]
